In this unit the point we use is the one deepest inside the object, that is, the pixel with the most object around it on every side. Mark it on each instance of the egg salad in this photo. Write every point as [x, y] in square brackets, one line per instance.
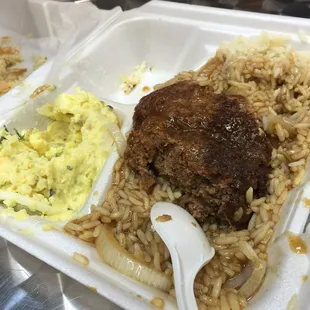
[51, 172]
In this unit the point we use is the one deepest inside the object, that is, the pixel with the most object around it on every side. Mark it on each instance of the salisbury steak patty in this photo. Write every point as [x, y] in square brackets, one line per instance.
[208, 145]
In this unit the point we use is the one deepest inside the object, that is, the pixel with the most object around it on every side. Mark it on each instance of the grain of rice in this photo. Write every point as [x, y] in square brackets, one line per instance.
[132, 238]
[91, 224]
[224, 303]
[105, 220]
[115, 215]
[142, 237]
[242, 301]
[97, 230]
[126, 214]
[154, 247]
[170, 193]
[84, 218]
[149, 236]
[299, 177]
[209, 301]
[119, 227]
[157, 261]
[262, 256]
[252, 222]
[241, 257]
[267, 237]
[122, 240]
[259, 237]
[156, 236]
[177, 195]
[248, 250]
[282, 197]
[225, 240]
[260, 229]
[264, 214]
[122, 194]
[80, 258]
[249, 195]
[103, 211]
[215, 293]
[135, 201]
[233, 301]
[205, 227]
[275, 218]
[138, 209]
[202, 306]
[95, 215]
[228, 271]
[210, 271]
[73, 226]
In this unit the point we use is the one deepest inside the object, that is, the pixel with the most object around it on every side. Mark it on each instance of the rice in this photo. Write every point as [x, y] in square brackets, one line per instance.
[275, 79]
[131, 81]
[80, 258]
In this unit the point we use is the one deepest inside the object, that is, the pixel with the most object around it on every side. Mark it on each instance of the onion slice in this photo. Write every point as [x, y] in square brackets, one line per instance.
[118, 138]
[118, 258]
[240, 278]
[251, 286]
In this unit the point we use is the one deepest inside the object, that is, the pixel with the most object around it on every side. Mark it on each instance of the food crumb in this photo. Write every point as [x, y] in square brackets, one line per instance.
[139, 296]
[304, 278]
[297, 245]
[41, 89]
[146, 89]
[158, 302]
[93, 288]
[95, 194]
[307, 202]
[131, 81]
[47, 227]
[164, 218]
[26, 231]
[194, 224]
[80, 258]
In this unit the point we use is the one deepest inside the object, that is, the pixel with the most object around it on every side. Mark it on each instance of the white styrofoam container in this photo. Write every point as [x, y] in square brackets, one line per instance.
[170, 38]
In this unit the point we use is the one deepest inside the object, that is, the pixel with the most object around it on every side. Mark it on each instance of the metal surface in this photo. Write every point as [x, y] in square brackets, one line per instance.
[298, 8]
[27, 283]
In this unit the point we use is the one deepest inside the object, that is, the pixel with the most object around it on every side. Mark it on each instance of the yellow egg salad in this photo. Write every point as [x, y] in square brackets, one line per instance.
[51, 172]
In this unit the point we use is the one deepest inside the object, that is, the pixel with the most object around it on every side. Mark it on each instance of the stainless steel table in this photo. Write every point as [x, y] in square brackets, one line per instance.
[27, 283]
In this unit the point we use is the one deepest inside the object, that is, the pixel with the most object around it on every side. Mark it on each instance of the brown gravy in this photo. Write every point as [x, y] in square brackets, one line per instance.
[297, 245]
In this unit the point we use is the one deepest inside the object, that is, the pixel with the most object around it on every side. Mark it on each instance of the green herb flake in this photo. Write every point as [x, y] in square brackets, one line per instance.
[52, 192]
[69, 167]
[6, 128]
[20, 137]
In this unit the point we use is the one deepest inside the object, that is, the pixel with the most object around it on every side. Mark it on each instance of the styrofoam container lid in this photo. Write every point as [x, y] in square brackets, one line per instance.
[170, 38]
[48, 28]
